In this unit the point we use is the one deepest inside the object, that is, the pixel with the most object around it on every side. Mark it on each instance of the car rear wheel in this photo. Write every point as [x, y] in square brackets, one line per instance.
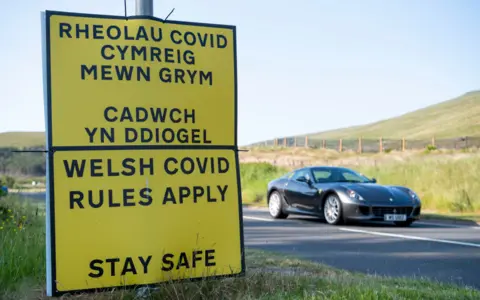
[275, 206]
[332, 210]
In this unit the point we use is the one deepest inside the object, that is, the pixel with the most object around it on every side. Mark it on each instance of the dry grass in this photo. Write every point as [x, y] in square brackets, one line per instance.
[297, 157]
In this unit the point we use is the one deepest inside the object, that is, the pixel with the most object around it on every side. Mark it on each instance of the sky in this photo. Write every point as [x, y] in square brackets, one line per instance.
[306, 67]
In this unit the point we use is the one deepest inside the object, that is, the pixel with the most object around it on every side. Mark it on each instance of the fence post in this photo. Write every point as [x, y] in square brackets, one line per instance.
[306, 141]
[359, 145]
[324, 144]
[403, 144]
[340, 145]
[284, 142]
[295, 141]
[380, 145]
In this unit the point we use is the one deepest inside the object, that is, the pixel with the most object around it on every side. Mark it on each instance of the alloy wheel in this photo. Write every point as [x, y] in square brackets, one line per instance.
[274, 205]
[332, 209]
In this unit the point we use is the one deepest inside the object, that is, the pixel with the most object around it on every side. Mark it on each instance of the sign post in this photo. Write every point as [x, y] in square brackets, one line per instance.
[144, 7]
[143, 181]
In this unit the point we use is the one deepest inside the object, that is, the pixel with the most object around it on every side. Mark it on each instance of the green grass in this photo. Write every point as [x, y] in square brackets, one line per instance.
[445, 184]
[22, 244]
[454, 217]
[269, 275]
[22, 139]
[453, 118]
[254, 178]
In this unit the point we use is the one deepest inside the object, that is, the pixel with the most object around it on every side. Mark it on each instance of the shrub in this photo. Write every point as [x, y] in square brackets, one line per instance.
[254, 179]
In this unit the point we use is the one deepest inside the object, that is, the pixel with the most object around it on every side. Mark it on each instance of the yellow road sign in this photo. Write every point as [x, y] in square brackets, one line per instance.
[152, 215]
[141, 82]
[143, 184]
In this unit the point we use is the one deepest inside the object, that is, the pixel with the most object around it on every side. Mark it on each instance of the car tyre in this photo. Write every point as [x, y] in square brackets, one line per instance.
[403, 223]
[276, 206]
[332, 210]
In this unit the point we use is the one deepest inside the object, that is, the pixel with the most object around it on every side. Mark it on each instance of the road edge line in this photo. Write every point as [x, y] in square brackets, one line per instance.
[411, 237]
[258, 219]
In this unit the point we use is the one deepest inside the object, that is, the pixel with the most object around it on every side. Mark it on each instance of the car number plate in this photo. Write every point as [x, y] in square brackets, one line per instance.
[395, 217]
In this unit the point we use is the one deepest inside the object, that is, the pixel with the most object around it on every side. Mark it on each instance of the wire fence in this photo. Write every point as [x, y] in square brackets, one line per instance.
[373, 145]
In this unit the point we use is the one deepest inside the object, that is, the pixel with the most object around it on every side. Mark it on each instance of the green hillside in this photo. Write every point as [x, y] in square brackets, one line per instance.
[22, 139]
[453, 118]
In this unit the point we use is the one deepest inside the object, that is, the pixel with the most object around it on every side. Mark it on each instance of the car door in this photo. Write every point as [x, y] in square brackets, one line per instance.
[323, 178]
[291, 188]
[300, 194]
[308, 193]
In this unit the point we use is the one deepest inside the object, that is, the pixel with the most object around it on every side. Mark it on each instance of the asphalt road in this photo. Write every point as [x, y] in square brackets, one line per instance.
[448, 253]
[444, 252]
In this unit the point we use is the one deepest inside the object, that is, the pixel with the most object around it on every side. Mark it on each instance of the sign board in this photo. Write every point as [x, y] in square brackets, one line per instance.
[142, 172]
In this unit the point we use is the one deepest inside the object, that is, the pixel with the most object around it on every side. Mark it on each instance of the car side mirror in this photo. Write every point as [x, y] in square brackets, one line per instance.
[304, 179]
[374, 180]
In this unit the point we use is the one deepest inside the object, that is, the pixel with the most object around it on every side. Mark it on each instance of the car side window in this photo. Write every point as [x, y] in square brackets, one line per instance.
[299, 174]
[322, 175]
[351, 177]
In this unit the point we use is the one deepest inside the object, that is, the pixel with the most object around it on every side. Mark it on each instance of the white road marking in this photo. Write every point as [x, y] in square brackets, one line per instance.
[258, 219]
[411, 237]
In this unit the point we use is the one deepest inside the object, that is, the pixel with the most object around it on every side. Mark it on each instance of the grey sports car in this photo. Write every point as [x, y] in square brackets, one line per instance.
[339, 195]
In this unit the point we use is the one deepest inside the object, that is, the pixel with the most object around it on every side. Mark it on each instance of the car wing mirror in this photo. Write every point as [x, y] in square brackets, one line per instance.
[302, 179]
[305, 179]
[374, 180]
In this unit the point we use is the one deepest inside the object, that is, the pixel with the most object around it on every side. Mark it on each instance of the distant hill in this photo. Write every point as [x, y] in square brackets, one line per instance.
[22, 139]
[452, 118]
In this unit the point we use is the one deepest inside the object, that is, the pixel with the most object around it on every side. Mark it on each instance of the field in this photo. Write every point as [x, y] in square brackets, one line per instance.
[269, 275]
[446, 181]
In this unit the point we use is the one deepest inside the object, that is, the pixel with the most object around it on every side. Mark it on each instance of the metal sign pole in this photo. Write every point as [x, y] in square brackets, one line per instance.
[144, 8]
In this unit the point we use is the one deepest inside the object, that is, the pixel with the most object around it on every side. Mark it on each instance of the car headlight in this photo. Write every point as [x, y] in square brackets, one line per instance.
[413, 195]
[354, 195]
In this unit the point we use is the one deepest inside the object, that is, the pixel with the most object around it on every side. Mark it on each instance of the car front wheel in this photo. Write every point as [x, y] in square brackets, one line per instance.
[332, 210]
[275, 206]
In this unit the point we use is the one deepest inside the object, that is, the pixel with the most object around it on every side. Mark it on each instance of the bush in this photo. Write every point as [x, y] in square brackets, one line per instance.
[9, 181]
[254, 179]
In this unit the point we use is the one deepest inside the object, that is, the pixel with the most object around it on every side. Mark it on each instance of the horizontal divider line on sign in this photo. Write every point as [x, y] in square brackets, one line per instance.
[144, 147]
